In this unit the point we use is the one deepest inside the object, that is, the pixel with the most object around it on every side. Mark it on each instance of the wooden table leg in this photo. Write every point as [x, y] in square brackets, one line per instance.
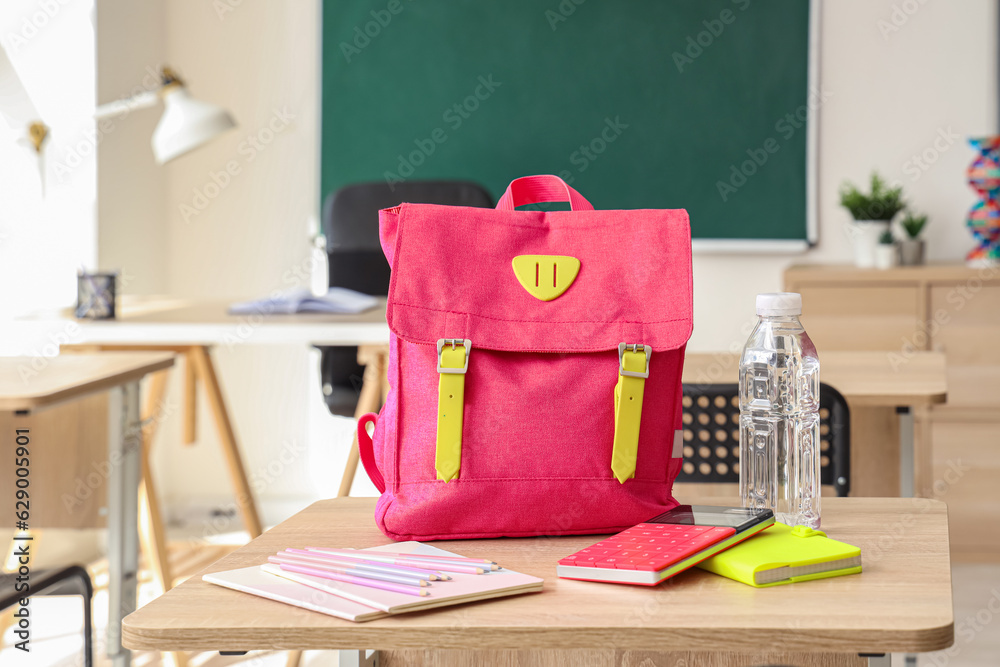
[373, 358]
[206, 375]
[923, 453]
[151, 533]
[190, 402]
[874, 452]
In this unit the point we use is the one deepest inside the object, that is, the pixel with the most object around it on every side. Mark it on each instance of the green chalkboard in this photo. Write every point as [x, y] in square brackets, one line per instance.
[696, 104]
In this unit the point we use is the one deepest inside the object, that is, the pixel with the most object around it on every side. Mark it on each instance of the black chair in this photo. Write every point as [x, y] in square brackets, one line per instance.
[712, 436]
[72, 580]
[350, 225]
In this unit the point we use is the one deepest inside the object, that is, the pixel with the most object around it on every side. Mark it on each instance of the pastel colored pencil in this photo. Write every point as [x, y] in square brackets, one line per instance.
[353, 571]
[441, 565]
[456, 559]
[370, 564]
[348, 579]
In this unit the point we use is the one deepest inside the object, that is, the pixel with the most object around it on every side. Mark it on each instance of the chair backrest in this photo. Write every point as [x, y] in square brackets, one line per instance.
[712, 436]
[350, 224]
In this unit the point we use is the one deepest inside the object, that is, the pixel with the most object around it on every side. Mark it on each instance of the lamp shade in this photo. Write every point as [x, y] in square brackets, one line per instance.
[186, 124]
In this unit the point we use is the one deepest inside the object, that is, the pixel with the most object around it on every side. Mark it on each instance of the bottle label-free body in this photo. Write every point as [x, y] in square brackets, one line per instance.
[779, 432]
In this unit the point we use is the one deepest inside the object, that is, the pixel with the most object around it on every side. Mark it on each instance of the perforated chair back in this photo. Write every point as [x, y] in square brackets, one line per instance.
[712, 436]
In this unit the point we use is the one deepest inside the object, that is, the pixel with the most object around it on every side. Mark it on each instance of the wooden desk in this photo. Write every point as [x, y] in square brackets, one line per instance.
[31, 391]
[902, 602]
[875, 384]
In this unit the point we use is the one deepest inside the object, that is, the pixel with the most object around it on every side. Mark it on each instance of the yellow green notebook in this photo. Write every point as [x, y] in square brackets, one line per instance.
[785, 555]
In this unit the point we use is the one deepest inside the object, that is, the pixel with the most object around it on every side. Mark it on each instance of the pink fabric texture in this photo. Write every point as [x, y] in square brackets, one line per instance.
[539, 392]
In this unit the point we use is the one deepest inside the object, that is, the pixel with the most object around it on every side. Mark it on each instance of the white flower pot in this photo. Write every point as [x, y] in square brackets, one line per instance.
[864, 235]
[886, 255]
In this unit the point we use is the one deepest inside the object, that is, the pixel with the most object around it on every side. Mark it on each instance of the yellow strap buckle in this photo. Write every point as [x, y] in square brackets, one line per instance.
[633, 369]
[453, 364]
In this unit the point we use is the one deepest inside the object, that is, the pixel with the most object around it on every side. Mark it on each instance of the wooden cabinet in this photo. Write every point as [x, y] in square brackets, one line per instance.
[946, 308]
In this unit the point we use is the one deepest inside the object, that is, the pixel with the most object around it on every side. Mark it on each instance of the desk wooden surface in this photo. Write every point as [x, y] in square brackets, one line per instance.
[160, 320]
[28, 383]
[875, 379]
[901, 602]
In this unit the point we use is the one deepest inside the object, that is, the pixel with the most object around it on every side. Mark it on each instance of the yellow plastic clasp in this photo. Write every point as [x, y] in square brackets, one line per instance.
[633, 369]
[452, 365]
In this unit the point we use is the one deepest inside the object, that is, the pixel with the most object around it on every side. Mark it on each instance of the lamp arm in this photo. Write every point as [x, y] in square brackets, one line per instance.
[143, 100]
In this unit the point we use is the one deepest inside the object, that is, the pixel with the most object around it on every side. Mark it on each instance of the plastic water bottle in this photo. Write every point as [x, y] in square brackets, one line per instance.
[779, 414]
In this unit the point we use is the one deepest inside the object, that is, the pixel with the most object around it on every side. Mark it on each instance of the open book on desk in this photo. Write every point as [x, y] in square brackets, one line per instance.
[336, 300]
[361, 603]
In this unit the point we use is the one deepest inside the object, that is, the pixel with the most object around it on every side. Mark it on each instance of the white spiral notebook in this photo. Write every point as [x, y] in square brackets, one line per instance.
[361, 603]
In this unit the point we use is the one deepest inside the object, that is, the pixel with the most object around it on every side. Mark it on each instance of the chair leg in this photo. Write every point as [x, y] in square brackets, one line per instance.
[293, 659]
[373, 359]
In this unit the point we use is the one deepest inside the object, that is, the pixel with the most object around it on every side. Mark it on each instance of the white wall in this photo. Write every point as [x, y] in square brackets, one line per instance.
[237, 217]
[131, 189]
[45, 236]
[890, 95]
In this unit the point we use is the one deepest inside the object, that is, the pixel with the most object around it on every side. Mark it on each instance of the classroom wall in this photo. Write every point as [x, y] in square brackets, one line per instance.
[131, 188]
[898, 85]
[891, 96]
[47, 231]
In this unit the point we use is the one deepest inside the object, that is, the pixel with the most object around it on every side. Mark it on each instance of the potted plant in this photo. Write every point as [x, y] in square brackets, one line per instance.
[872, 212]
[886, 253]
[911, 249]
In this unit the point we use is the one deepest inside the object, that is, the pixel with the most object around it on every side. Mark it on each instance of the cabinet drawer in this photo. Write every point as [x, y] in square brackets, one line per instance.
[966, 469]
[860, 318]
[968, 332]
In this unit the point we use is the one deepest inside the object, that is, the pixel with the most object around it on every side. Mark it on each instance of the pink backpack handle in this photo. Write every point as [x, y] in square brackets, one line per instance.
[367, 451]
[537, 189]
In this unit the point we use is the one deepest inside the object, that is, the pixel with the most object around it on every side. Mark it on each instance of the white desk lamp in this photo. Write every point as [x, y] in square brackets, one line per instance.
[186, 122]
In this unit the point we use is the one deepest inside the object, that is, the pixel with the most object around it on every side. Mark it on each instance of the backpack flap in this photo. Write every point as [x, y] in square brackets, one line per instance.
[534, 281]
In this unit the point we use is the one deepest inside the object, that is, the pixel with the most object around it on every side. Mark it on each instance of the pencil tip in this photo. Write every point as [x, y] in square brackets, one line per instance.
[424, 593]
[494, 567]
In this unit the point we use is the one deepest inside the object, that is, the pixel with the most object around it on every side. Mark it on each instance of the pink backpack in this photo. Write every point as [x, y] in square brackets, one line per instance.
[535, 367]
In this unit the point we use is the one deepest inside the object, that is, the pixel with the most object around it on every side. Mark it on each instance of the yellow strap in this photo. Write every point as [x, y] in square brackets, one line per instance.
[451, 404]
[628, 413]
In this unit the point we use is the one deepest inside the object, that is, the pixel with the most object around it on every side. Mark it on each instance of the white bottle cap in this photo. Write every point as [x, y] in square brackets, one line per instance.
[779, 304]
